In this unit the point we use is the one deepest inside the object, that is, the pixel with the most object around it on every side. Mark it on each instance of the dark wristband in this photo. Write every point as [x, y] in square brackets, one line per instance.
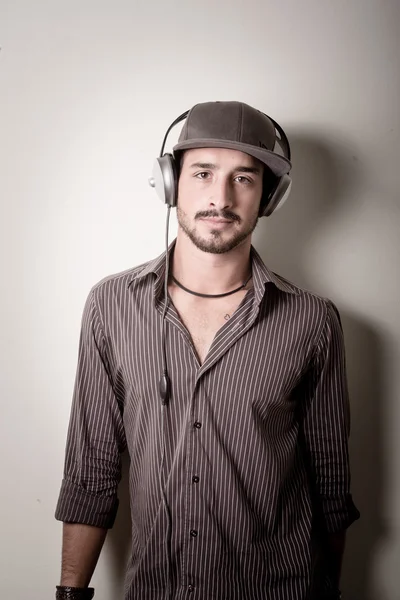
[64, 592]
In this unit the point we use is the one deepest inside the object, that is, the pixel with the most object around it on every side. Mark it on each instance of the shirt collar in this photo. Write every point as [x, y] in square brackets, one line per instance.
[261, 275]
[155, 267]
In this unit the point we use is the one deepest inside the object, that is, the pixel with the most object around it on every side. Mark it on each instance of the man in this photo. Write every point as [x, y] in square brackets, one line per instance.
[239, 478]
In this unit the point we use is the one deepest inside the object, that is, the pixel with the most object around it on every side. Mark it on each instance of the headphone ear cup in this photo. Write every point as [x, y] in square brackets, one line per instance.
[278, 196]
[165, 179]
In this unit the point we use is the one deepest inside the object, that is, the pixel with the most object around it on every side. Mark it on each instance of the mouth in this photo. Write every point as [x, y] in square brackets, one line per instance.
[216, 220]
[216, 223]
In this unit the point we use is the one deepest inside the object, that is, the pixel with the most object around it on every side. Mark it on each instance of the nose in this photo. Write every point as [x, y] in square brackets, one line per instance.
[221, 194]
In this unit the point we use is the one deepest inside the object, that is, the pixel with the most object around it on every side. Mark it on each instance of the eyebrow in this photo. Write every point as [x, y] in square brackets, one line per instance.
[242, 169]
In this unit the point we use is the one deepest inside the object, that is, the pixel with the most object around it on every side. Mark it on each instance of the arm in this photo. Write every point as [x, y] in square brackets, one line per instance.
[81, 549]
[88, 500]
[325, 431]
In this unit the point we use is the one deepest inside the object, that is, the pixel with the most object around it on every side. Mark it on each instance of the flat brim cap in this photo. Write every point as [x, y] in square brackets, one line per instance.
[235, 126]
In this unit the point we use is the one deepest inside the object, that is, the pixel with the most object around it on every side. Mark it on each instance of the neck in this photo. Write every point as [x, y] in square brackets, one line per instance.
[210, 273]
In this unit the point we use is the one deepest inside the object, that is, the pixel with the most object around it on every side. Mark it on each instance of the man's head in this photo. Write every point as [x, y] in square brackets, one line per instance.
[230, 129]
[227, 169]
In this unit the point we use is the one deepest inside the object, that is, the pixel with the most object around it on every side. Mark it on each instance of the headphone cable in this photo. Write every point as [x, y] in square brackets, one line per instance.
[165, 390]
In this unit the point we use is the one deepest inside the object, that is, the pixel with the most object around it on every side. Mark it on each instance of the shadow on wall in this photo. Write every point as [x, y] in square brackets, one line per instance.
[365, 373]
[324, 176]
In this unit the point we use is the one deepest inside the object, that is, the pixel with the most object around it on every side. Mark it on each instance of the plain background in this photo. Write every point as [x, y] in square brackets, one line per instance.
[87, 90]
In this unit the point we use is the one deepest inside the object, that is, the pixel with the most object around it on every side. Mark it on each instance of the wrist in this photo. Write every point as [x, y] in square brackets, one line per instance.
[64, 592]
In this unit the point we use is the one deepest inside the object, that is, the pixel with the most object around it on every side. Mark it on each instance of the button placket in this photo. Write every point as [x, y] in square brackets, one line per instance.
[194, 479]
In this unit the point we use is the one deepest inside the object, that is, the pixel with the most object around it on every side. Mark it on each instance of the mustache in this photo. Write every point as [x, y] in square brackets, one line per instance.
[222, 214]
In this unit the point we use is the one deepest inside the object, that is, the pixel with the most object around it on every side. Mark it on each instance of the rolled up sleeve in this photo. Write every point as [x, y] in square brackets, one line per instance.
[326, 428]
[96, 436]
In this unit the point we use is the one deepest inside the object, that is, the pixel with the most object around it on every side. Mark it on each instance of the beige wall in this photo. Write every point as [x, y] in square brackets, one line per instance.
[87, 90]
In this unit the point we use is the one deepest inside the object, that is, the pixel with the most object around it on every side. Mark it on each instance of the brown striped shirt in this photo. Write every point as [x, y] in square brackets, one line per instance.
[251, 451]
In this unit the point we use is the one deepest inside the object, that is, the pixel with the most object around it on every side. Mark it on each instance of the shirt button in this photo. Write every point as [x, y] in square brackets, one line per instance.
[190, 589]
[195, 479]
[197, 425]
[193, 533]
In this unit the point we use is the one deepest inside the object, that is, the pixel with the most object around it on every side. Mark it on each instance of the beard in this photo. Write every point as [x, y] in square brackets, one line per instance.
[215, 243]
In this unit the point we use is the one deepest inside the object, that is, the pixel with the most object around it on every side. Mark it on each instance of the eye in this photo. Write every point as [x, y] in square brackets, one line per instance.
[202, 175]
[244, 180]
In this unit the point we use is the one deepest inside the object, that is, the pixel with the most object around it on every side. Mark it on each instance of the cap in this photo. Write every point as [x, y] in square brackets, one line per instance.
[236, 126]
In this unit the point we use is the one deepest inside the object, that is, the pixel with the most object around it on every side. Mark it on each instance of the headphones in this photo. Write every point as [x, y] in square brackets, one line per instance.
[165, 174]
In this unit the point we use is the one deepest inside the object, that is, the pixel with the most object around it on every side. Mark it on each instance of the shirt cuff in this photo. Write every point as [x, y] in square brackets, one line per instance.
[76, 505]
[339, 513]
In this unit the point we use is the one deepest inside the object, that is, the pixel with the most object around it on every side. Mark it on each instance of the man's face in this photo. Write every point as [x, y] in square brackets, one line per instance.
[219, 195]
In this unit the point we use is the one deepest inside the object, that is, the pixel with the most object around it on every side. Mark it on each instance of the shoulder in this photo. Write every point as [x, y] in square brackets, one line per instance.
[117, 284]
[301, 293]
[289, 296]
[313, 308]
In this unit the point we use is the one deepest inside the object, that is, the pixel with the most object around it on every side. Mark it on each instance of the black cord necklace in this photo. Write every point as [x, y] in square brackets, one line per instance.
[210, 295]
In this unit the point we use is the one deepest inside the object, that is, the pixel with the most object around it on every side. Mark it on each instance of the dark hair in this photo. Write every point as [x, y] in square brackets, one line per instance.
[269, 185]
[179, 161]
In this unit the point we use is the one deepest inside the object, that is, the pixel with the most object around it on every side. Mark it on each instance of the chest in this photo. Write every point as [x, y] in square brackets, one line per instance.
[258, 355]
[204, 317]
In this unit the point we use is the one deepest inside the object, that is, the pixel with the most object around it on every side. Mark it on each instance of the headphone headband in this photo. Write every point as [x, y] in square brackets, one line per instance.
[181, 117]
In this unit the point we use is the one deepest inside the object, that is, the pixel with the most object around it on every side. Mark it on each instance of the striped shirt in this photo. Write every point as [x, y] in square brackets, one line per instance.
[234, 482]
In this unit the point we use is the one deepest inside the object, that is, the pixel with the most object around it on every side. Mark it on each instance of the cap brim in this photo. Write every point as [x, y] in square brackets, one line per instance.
[279, 165]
